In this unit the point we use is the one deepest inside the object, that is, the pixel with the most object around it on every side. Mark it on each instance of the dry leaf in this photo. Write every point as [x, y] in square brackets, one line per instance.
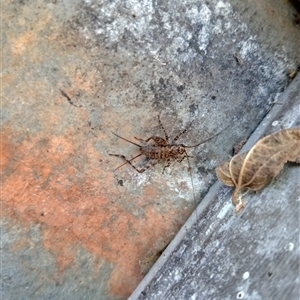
[262, 163]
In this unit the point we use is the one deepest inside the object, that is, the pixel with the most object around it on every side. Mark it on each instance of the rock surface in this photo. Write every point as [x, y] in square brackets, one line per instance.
[72, 72]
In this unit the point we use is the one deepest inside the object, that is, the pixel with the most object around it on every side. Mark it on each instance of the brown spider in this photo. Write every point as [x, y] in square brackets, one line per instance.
[160, 151]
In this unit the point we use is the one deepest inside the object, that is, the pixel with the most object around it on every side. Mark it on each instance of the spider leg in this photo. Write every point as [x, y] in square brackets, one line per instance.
[161, 125]
[125, 162]
[180, 159]
[181, 133]
[129, 162]
[158, 140]
[167, 165]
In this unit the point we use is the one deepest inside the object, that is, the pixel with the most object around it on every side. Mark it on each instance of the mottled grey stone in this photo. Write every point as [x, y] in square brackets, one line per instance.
[254, 254]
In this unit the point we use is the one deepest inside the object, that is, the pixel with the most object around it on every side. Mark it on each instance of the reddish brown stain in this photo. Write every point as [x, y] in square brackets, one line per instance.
[43, 188]
[54, 177]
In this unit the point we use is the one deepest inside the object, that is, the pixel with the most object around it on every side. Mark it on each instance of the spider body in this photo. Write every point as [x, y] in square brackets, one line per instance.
[157, 149]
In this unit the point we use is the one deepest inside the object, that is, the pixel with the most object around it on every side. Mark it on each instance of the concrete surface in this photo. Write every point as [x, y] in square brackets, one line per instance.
[72, 72]
[253, 254]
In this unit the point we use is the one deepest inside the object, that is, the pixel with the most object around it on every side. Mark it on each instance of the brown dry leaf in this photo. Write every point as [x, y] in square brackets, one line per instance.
[262, 163]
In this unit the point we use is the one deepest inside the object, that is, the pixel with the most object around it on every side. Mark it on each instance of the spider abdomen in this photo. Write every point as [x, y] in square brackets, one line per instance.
[162, 152]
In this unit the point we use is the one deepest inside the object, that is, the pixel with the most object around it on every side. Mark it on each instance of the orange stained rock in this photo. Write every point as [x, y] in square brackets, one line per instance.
[42, 185]
[52, 174]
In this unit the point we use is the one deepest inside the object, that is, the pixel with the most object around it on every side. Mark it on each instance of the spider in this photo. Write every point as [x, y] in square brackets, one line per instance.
[160, 150]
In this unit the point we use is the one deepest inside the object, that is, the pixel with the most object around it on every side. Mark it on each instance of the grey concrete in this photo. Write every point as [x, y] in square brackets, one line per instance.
[254, 254]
